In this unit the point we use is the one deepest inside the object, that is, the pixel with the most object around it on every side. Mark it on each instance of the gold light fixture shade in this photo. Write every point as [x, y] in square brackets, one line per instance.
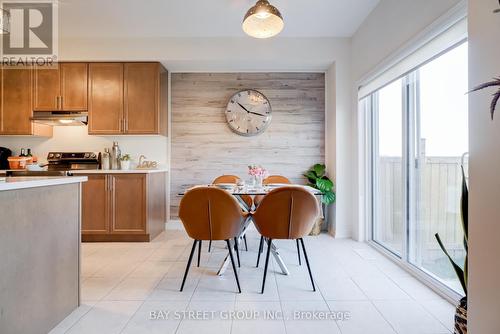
[263, 20]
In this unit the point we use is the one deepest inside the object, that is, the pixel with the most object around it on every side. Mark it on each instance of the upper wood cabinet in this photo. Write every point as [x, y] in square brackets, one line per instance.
[62, 87]
[106, 98]
[74, 86]
[141, 108]
[142, 92]
[16, 108]
[47, 88]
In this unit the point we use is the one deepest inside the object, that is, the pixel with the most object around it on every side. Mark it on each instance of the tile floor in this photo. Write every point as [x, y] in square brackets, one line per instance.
[124, 282]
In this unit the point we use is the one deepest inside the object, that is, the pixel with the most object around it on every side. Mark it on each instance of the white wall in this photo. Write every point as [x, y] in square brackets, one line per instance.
[391, 24]
[389, 27]
[484, 167]
[339, 141]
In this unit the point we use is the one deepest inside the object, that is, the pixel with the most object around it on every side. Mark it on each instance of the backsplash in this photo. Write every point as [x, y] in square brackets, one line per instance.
[76, 138]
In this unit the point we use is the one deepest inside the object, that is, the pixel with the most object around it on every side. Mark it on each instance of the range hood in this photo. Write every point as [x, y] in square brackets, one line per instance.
[60, 118]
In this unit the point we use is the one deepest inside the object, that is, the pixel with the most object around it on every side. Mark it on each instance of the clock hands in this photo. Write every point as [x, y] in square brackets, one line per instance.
[243, 107]
[250, 112]
[257, 114]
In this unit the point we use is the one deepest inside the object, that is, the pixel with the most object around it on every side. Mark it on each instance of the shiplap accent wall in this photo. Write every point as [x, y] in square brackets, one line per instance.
[203, 146]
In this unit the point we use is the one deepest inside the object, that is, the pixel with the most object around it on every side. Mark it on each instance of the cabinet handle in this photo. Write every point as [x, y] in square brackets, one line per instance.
[126, 124]
[57, 102]
[60, 102]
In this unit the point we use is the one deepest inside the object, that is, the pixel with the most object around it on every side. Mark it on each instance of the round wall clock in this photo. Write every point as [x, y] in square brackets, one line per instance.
[248, 113]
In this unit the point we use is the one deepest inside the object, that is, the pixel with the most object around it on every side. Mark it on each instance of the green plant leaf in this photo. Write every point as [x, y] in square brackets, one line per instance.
[458, 270]
[328, 197]
[311, 174]
[324, 184]
[319, 169]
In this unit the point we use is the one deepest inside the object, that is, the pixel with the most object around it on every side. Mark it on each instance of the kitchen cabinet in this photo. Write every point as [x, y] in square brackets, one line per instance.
[74, 86]
[142, 98]
[128, 98]
[61, 87]
[105, 98]
[16, 103]
[123, 206]
[129, 203]
[95, 205]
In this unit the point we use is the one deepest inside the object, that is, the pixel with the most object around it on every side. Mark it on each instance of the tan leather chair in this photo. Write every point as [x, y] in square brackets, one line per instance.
[247, 199]
[257, 199]
[226, 179]
[270, 180]
[210, 213]
[286, 213]
[276, 179]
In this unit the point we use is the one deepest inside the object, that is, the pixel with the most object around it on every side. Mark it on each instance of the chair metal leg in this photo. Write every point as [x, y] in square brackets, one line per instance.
[307, 262]
[269, 243]
[298, 251]
[234, 265]
[199, 252]
[188, 264]
[245, 240]
[261, 244]
[209, 246]
[237, 251]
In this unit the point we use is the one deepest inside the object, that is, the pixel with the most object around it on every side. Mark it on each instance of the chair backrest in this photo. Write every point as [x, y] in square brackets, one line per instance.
[209, 213]
[226, 179]
[286, 213]
[276, 179]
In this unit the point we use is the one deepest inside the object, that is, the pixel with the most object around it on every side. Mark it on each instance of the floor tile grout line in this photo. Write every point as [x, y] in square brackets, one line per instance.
[144, 301]
[190, 298]
[385, 318]
[416, 300]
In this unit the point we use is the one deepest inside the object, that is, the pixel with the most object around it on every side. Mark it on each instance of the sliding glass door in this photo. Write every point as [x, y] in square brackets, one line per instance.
[388, 205]
[418, 144]
[441, 142]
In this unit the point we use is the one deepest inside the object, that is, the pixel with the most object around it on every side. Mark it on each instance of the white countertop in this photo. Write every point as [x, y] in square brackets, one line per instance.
[119, 171]
[110, 171]
[15, 183]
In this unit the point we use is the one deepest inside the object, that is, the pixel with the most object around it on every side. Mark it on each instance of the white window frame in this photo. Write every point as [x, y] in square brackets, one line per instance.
[365, 133]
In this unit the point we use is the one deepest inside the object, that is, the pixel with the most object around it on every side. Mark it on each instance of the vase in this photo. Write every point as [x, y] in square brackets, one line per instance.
[257, 182]
[125, 164]
[318, 224]
[461, 317]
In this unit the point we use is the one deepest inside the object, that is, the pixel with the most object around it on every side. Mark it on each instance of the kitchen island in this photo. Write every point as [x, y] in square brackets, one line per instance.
[40, 252]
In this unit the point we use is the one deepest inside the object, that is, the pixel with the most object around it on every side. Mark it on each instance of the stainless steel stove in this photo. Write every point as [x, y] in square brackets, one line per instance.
[67, 161]
[63, 163]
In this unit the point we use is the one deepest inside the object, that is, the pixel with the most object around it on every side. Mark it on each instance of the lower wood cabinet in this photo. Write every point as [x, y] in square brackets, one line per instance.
[123, 207]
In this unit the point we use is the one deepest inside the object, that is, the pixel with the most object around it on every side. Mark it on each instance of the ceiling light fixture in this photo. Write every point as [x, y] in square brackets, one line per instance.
[263, 20]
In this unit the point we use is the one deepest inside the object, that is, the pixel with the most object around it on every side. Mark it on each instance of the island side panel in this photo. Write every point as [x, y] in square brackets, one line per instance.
[39, 257]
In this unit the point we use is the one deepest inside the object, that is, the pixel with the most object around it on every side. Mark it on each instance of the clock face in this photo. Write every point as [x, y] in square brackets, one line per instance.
[248, 113]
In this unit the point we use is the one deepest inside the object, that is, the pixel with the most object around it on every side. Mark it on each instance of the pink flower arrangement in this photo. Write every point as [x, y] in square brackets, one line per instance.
[258, 171]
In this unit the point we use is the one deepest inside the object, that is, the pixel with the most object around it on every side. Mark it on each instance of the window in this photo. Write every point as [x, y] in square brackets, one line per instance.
[419, 138]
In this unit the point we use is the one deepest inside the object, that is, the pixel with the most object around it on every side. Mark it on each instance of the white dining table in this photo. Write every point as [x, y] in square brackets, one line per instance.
[238, 192]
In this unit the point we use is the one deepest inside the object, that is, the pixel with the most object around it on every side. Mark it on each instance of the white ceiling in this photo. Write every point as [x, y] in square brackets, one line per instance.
[205, 18]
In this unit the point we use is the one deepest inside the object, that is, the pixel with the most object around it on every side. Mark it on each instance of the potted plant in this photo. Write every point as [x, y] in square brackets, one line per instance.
[125, 161]
[462, 272]
[316, 176]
